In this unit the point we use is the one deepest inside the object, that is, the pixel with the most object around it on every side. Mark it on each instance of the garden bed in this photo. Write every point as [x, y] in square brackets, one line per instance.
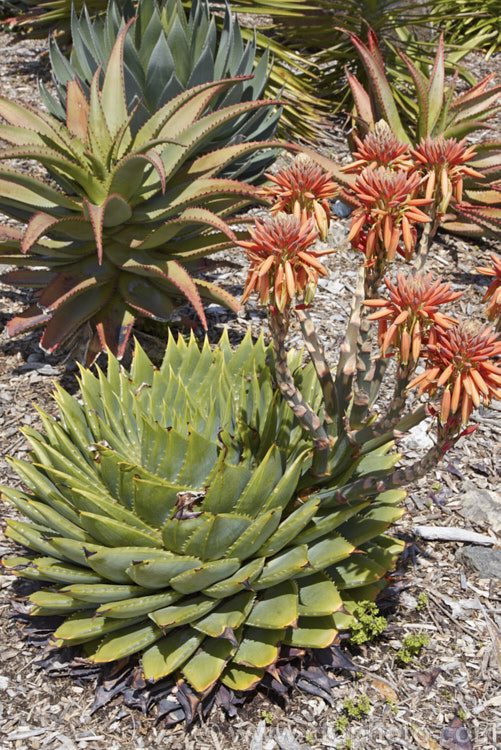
[455, 678]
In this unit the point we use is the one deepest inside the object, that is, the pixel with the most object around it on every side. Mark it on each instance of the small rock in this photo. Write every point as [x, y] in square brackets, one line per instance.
[418, 438]
[341, 209]
[482, 507]
[486, 562]
[3, 683]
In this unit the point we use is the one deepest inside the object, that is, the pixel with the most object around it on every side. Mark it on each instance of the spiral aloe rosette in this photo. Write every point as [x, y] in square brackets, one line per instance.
[130, 218]
[166, 518]
[166, 52]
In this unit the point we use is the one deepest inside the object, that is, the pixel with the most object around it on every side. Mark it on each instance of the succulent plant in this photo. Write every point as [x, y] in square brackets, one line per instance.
[165, 53]
[173, 515]
[437, 110]
[129, 217]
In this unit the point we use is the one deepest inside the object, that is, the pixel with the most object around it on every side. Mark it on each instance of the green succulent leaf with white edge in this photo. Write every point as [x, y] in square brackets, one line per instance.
[167, 51]
[127, 218]
[165, 518]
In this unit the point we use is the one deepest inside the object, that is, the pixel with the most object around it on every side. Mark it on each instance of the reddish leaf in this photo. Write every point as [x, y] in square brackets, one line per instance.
[455, 736]
[73, 314]
[30, 318]
[28, 277]
[114, 325]
[38, 225]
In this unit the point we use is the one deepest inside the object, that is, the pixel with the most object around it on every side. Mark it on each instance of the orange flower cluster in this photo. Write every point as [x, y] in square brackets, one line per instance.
[406, 319]
[493, 293]
[283, 265]
[461, 360]
[302, 189]
[388, 213]
[379, 148]
[442, 162]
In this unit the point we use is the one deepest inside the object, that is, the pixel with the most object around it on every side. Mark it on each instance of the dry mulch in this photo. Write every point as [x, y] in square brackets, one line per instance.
[449, 696]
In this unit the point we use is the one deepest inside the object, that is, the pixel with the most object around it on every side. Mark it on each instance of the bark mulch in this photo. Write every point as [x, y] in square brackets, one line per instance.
[448, 696]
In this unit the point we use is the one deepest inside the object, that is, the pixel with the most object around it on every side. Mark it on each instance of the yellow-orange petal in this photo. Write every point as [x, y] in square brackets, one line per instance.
[444, 377]
[456, 394]
[405, 347]
[445, 408]
[289, 279]
[430, 185]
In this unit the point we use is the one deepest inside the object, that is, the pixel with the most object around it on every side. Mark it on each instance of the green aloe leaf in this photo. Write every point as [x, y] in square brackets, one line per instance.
[276, 607]
[170, 653]
[125, 643]
[188, 610]
[206, 666]
[259, 647]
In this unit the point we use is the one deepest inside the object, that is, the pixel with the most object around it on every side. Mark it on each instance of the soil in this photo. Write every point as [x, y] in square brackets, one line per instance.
[447, 696]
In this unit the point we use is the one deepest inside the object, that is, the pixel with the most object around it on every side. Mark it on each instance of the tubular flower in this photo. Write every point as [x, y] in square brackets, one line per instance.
[442, 161]
[406, 318]
[283, 266]
[379, 148]
[302, 189]
[493, 293]
[462, 360]
[388, 213]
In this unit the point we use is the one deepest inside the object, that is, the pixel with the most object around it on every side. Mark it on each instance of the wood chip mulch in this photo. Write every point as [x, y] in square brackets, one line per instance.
[449, 696]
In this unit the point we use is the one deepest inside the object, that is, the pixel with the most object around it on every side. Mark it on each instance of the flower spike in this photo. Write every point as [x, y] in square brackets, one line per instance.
[462, 360]
[283, 265]
[411, 312]
[388, 213]
[442, 162]
[302, 189]
[379, 148]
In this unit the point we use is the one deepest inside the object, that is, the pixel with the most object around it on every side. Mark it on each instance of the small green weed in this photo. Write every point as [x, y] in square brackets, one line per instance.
[369, 623]
[411, 646]
[357, 709]
[461, 714]
[268, 717]
[341, 723]
[422, 601]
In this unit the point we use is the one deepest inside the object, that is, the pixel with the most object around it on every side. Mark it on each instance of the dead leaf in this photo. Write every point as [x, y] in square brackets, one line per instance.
[455, 736]
[423, 740]
[385, 690]
[428, 678]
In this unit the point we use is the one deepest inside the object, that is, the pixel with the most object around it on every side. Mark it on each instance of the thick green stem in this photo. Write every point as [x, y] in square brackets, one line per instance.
[317, 354]
[309, 420]
[394, 413]
[429, 231]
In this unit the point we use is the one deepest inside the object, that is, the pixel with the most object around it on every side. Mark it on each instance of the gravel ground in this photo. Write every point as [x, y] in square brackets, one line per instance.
[449, 696]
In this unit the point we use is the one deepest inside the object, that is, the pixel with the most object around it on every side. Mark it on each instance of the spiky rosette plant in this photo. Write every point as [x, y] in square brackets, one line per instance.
[173, 514]
[131, 215]
[167, 51]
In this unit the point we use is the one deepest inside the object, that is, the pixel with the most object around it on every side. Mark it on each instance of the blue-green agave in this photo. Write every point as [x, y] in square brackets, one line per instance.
[166, 52]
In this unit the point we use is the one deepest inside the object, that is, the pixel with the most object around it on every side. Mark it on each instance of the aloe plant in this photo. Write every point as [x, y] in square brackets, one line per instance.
[438, 110]
[165, 53]
[131, 216]
[166, 519]
[205, 513]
